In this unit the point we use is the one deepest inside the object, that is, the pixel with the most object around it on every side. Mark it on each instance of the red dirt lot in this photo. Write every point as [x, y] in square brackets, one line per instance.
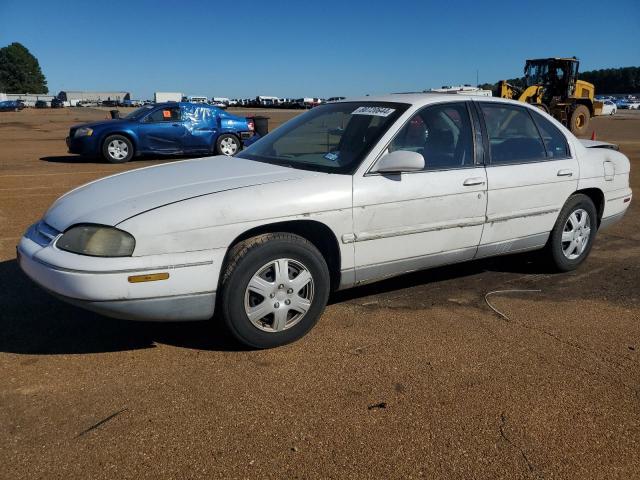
[414, 377]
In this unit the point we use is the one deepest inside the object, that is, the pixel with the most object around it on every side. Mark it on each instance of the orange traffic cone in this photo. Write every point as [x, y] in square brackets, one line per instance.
[593, 135]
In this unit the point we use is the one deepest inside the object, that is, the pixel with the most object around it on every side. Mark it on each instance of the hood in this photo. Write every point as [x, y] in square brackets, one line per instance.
[100, 123]
[113, 199]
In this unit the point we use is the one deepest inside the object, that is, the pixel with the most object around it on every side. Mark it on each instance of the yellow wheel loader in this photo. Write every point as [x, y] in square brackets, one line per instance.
[552, 85]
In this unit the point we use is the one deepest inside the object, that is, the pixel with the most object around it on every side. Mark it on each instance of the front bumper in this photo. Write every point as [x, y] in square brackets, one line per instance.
[187, 294]
[86, 145]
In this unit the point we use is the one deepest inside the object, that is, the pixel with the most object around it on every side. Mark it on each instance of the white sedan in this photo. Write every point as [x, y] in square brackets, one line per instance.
[348, 193]
[609, 108]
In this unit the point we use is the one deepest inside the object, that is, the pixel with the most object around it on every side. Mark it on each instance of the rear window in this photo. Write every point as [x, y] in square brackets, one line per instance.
[555, 142]
[513, 136]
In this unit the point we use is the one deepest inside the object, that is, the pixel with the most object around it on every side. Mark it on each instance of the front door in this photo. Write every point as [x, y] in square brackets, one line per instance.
[411, 221]
[163, 131]
[530, 174]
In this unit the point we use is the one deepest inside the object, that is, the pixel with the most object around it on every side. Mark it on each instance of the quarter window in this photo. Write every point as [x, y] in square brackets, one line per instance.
[441, 133]
[513, 137]
[554, 141]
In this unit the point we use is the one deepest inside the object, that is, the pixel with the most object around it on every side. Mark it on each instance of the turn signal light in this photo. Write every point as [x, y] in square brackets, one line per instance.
[151, 277]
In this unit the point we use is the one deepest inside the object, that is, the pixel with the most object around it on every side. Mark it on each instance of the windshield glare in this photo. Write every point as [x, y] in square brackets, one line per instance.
[139, 112]
[331, 138]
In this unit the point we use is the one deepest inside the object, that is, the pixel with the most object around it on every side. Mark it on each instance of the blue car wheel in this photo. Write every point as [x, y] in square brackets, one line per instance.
[117, 149]
[228, 144]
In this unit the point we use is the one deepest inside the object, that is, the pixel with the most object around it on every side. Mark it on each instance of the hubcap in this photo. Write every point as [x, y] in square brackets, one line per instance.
[279, 295]
[117, 149]
[228, 146]
[576, 234]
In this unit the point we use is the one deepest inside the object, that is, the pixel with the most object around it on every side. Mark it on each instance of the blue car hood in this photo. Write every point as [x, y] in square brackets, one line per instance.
[101, 123]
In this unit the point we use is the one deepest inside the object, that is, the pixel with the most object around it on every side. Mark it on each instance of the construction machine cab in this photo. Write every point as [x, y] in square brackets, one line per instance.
[557, 75]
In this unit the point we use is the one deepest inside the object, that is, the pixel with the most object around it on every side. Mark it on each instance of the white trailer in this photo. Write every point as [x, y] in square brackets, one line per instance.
[266, 100]
[161, 97]
[463, 90]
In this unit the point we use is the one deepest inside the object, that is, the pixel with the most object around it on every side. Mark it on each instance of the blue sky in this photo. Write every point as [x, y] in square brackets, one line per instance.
[306, 48]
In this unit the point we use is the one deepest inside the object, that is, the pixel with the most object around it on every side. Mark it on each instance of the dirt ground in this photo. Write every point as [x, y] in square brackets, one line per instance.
[413, 377]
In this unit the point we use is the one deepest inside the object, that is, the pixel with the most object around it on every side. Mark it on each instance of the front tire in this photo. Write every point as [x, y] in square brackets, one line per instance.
[228, 144]
[573, 234]
[579, 123]
[274, 289]
[117, 149]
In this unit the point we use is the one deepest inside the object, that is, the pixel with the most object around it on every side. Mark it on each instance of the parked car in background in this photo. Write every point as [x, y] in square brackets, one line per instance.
[609, 108]
[57, 103]
[629, 104]
[162, 129]
[41, 104]
[410, 182]
[11, 106]
[220, 102]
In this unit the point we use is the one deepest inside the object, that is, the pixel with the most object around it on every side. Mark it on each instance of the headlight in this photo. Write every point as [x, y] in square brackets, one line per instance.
[97, 241]
[83, 132]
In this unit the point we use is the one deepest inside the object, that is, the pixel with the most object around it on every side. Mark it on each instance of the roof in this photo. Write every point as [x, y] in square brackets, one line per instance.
[425, 98]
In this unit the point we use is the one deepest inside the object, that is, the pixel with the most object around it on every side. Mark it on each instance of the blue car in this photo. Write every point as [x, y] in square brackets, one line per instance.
[11, 105]
[165, 129]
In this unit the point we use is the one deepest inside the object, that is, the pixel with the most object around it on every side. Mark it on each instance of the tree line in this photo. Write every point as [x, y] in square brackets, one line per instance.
[606, 80]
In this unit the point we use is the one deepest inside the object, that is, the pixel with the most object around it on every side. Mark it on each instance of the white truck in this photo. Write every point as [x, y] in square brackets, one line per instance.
[161, 97]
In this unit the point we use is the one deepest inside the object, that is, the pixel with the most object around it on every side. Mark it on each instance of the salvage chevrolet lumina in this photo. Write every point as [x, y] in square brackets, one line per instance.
[348, 193]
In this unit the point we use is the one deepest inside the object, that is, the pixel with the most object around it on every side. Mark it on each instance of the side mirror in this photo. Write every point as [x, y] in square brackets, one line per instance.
[400, 161]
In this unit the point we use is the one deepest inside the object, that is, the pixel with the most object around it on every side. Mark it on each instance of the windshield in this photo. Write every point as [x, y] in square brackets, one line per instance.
[537, 73]
[139, 112]
[330, 138]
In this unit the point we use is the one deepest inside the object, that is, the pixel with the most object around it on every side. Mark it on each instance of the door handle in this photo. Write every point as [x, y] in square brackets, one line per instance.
[473, 181]
[565, 173]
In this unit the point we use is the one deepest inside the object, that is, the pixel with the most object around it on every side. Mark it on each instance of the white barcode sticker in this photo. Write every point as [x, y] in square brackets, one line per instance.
[375, 111]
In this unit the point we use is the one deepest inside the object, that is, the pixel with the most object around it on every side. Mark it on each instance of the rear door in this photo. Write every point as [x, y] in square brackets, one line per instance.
[163, 131]
[531, 172]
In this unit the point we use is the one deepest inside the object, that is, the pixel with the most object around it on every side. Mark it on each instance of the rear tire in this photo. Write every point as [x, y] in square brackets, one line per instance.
[573, 233]
[262, 304]
[117, 149]
[579, 122]
[228, 144]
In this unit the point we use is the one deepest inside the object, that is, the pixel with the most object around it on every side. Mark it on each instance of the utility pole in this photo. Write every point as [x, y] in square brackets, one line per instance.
[477, 78]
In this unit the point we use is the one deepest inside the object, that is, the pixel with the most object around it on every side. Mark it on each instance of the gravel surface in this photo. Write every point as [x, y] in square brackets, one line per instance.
[414, 377]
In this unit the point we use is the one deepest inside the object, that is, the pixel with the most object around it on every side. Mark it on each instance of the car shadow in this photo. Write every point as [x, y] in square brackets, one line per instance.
[70, 159]
[523, 264]
[34, 322]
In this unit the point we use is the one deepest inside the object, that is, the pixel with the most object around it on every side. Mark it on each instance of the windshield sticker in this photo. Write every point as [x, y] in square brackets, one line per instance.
[375, 111]
[166, 113]
[331, 156]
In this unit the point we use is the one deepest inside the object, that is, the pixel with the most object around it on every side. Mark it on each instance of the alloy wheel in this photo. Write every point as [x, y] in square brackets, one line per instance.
[118, 149]
[228, 146]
